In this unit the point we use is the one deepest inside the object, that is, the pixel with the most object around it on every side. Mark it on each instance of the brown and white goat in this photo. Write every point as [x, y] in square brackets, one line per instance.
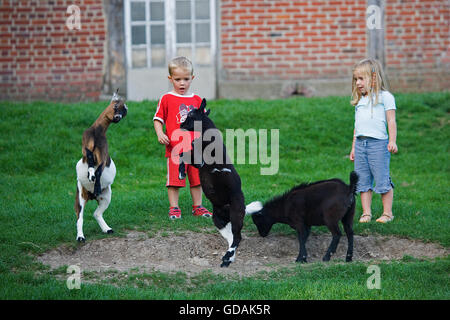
[96, 170]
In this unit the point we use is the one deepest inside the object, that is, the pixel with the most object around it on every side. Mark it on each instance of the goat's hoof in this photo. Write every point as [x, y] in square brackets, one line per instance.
[110, 231]
[348, 259]
[81, 239]
[301, 260]
[326, 259]
[225, 264]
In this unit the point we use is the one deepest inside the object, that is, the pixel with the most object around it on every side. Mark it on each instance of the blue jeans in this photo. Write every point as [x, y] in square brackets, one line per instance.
[372, 160]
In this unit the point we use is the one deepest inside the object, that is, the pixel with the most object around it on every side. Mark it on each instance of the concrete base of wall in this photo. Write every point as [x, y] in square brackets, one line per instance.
[284, 89]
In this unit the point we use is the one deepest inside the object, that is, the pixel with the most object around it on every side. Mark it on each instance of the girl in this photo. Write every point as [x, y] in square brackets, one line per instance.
[374, 108]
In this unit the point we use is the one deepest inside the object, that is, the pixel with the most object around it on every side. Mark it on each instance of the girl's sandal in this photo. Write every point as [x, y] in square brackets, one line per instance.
[365, 218]
[385, 218]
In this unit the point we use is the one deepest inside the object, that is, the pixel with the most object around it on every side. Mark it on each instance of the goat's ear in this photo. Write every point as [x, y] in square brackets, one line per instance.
[115, 96]
[203, 105]
[254, 208]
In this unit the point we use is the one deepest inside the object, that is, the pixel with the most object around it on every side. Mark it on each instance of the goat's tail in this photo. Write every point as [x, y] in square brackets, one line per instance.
[253, 208]
[353, 181]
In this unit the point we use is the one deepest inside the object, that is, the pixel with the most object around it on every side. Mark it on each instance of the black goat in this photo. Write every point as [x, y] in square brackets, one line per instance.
[219, 179]
[315, 204]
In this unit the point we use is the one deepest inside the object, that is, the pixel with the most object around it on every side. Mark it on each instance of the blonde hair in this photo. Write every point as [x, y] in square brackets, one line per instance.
[374, 77]
[181, 62]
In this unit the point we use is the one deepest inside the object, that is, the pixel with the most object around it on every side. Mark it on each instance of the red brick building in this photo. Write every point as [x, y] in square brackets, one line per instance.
[240, 48]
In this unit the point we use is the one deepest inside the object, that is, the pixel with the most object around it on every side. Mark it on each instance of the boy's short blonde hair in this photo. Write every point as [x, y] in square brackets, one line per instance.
[181, 62]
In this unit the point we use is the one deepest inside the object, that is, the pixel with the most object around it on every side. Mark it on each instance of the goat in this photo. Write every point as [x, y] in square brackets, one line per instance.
[315, 204]
[96, 170]
[220, 181]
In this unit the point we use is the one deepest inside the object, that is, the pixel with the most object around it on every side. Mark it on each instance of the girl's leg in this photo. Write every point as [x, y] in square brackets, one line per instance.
[365, 182]
[387, 199]
[379, 160]
[366, 203]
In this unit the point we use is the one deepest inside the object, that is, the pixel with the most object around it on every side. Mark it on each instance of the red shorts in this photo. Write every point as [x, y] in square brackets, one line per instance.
[173, 171]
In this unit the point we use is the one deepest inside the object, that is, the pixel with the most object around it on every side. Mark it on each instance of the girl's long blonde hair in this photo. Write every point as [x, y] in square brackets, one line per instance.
[374, 75]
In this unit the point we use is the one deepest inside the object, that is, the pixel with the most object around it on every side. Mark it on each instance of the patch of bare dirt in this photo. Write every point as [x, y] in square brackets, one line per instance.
[193, 252]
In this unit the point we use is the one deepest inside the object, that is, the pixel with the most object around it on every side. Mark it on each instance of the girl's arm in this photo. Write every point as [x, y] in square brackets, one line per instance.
[392, 127]
[352, 153]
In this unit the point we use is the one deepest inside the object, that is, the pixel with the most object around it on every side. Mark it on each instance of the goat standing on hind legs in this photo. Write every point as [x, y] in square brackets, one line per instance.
[315, 204]
[220, 181]
[96, 170]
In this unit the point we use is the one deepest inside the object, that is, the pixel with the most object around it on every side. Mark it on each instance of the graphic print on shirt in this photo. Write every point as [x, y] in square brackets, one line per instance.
[183, 111]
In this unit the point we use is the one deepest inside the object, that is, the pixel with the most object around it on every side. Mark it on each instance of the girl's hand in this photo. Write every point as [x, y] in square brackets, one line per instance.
[352, 155]
[163, 139]
[392, 147]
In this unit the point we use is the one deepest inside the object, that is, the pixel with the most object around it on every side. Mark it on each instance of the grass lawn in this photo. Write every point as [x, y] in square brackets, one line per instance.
[40, 143]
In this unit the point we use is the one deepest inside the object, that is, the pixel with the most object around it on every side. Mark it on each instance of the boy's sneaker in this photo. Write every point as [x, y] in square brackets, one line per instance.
[174, 213]
[198, 211]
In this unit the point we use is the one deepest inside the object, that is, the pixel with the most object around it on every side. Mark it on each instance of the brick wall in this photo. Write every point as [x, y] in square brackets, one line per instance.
[308, 47]
[291, 39]
[418, 45]
[42, 59]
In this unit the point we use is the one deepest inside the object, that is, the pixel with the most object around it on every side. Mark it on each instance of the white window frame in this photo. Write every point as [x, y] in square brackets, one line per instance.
[170, 31]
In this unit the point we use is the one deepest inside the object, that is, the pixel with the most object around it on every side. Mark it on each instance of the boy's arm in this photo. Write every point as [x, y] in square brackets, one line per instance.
[392, 127]
[162, 137]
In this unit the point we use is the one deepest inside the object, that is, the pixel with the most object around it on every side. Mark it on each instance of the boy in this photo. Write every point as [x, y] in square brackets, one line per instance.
[172, 110]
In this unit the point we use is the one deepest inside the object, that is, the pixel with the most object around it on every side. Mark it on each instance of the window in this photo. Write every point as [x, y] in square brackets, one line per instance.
[158, 30]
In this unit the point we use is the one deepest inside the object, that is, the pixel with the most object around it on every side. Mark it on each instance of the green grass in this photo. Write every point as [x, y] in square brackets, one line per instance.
[40, 143]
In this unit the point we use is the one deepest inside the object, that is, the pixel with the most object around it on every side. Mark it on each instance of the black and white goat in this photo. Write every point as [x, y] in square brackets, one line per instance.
[314, 204]
[96, 170]
[219, 179]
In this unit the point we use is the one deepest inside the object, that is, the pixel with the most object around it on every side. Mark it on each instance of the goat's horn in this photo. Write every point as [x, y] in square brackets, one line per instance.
[253, 208]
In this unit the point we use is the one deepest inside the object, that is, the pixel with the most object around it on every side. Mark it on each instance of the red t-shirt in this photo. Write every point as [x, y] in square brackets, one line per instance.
[171, 111]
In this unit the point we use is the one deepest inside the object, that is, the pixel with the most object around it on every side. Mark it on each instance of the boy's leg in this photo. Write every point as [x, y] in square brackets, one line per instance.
[196, 194]
[173, 193]
[173, 185]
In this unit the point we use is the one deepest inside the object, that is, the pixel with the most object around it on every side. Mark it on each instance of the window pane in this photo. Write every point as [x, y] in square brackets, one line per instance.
[202, 9]
[157, 35]
[157, 11]
[158, 57]
[139, 58]
[138, 35]
[183, 10]
[202, 32]
[184, 33]
[185, 52]
[202, 55]
[137, 11]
